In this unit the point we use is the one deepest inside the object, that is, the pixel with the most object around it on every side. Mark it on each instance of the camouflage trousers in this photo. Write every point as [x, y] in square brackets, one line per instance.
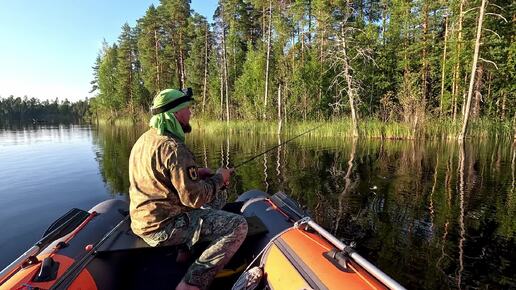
[224, 231]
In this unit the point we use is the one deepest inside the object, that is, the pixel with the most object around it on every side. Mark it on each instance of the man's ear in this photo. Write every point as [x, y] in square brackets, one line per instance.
[178, 116]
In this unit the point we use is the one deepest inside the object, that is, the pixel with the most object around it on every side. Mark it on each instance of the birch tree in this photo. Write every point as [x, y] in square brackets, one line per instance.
[457, 68]
[473, 70]
[266, 93]
[443, 65]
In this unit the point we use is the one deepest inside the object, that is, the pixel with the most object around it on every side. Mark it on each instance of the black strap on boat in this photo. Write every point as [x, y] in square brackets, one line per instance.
[47, 271]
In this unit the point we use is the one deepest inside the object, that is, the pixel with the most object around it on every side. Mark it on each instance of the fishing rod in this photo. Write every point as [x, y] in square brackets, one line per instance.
[272, 148]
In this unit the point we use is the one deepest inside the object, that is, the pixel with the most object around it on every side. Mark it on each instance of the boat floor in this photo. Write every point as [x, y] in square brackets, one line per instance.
[126, 262]
[156, 268]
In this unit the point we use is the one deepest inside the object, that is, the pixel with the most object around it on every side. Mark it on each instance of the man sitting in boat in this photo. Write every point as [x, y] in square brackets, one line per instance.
[172, 201]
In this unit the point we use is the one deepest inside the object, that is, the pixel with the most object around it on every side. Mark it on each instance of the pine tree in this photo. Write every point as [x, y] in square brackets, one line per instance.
[150, 50]
[168, 58]
[142, 96]
[176, 13]
[249, 86]
[267, 64]
[127, 77]
[196, 63]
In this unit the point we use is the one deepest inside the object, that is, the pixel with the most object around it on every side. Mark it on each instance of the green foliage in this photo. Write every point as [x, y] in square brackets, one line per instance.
[34, 110]
[213, 108]
[304, 89]
[394, 50]
[249, 88]
[108, 97]
[148, 48]
[198, 48]
[128, 85]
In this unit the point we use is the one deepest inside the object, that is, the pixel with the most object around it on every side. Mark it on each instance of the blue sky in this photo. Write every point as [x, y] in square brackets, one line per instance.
[47, 47]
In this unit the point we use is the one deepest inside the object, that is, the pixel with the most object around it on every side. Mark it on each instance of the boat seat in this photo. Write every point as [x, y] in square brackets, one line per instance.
[124, 239]
[255, 227]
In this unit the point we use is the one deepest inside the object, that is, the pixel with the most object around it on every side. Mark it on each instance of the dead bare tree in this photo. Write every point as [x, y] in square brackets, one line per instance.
[344, 53]
[156, 57]
[225, 66]
[473, 69]
[474, 66]
[349, 184]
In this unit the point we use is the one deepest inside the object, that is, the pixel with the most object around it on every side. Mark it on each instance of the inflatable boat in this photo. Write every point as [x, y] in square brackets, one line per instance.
[96, 249]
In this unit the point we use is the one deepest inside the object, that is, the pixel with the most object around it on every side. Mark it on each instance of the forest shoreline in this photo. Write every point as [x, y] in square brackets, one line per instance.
[415, 62]
[432, 129]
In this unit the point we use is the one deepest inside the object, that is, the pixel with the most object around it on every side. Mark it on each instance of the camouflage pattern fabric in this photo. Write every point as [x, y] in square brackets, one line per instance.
[166, 196]
[224, 230]
[164, 182]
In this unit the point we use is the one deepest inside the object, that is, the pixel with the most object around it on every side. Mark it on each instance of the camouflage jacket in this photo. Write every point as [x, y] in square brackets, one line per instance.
[164, 182]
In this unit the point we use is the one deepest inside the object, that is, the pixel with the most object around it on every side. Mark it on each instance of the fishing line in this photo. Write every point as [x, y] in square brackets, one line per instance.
[274, 147]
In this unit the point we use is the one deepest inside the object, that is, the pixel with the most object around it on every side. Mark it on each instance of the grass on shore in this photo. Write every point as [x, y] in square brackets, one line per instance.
[370, 128]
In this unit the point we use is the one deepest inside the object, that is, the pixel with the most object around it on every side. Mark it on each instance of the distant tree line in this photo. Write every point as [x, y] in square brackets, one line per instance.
[35, 110]
[407, 61]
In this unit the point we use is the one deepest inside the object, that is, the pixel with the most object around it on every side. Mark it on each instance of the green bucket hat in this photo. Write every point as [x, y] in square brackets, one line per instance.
[164, 105]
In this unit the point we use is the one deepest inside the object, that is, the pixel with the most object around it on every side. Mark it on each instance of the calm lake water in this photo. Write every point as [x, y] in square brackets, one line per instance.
[433, 215]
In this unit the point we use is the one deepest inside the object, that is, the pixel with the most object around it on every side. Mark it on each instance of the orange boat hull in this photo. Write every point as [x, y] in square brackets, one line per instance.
[297, 260]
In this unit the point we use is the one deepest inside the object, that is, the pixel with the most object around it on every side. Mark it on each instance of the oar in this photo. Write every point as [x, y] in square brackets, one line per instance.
[74, 270]
[59, 228]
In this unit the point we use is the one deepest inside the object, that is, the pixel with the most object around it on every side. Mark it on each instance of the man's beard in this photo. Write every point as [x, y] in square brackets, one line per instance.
[186, 127]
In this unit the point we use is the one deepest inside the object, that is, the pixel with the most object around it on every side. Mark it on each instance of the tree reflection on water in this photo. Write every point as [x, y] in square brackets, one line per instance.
[433, 214]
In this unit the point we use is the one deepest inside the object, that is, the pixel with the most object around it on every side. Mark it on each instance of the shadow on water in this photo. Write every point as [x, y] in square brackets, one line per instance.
[434, 215]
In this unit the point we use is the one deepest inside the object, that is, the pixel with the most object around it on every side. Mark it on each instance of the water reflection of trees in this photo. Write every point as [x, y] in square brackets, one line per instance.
[112, 147]
[432, 214]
